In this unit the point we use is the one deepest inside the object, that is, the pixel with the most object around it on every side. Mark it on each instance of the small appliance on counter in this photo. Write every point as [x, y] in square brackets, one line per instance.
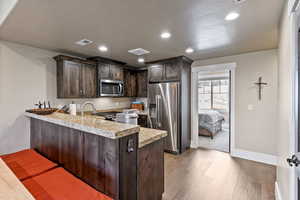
[73, 108]
[129, 116]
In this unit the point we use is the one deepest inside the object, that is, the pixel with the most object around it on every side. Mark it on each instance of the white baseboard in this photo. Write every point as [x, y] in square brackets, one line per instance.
[277, 192]
[194, 145]
[254, 156]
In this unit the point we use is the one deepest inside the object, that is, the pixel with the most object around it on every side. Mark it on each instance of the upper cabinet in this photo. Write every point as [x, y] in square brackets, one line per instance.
[156, 72]
[135, 83]
[109, 69]
[166, 70]
[130, 83]
[142, 83]
[76, 78]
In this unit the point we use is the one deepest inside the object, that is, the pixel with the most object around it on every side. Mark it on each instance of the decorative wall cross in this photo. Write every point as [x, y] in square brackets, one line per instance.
[260, 85]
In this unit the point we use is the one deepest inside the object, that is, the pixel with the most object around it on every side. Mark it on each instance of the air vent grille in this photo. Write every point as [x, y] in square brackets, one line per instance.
[138, 51]
[238, 1]
[84, 42]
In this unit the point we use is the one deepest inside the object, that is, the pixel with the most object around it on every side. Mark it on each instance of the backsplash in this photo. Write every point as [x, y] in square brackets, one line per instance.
[100, 103]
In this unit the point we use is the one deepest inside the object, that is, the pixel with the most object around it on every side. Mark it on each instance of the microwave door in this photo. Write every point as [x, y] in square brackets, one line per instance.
[111, 88]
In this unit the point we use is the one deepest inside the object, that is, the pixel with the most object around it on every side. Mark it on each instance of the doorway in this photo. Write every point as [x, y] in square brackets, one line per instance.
[213, 110]
[213, 107]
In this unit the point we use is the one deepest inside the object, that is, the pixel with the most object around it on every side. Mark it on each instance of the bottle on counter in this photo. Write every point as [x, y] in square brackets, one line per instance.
[73, 108]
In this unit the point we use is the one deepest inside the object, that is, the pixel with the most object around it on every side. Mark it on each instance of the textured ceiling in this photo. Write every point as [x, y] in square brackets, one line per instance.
[127, 24]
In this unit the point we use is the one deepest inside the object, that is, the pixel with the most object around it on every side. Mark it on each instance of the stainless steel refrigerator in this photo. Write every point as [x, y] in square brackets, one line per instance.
[164, 109]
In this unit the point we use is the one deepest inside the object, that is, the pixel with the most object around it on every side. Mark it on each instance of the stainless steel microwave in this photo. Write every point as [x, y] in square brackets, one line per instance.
[111, 88]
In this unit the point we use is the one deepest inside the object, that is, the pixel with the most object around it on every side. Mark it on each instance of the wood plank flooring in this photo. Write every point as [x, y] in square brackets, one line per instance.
[211, 175]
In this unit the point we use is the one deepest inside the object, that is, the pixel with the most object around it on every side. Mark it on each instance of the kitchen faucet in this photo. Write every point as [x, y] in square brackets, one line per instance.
[85, 104]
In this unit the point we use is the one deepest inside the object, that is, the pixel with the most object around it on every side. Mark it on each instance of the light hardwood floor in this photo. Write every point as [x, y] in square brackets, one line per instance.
[212, 175]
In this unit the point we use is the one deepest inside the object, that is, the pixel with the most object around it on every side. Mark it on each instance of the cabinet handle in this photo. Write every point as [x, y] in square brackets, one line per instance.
[130, 146]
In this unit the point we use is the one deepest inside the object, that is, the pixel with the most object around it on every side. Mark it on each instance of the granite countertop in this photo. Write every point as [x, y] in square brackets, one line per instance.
[99, 126]
[148, 136]
[90, 124]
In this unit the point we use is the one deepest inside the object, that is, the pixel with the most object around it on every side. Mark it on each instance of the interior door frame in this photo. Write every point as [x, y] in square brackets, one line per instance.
[194, 100]
[294, 27]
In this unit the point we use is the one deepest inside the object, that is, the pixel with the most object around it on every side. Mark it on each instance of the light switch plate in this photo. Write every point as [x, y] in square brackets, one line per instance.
[250, 107]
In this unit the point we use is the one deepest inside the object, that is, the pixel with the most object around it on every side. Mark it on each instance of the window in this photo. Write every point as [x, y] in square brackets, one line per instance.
[213, 94]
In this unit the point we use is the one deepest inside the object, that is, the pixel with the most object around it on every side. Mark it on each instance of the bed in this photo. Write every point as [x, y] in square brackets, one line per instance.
[210, 122]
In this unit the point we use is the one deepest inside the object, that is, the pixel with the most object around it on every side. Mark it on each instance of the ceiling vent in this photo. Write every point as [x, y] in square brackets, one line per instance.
[238, 1]
[138, 51]
[84, 42]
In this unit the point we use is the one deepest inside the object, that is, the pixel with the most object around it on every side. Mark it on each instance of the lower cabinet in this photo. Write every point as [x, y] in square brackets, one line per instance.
[143, 121]
[151, 171]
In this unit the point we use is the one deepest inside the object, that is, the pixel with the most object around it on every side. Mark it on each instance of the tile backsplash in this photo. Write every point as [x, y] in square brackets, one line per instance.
[100, 103]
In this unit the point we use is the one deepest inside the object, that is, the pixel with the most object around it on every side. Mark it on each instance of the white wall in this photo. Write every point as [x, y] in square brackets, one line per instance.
[255, 130]
[6, 6]
[28, 75]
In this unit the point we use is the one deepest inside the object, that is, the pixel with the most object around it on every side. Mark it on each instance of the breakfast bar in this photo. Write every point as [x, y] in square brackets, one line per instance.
[125, 162]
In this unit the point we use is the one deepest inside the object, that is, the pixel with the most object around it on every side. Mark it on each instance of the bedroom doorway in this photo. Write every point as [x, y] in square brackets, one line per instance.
[214, 110]
[213, 107]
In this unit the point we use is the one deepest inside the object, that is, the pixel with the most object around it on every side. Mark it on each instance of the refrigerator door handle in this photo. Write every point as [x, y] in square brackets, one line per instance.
[157, 99]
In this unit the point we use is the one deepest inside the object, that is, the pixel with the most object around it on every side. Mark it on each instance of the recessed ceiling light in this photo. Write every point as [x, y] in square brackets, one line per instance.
[165, 35]
[189, 50]
[102, 48]
[141, 60]
[232, 16]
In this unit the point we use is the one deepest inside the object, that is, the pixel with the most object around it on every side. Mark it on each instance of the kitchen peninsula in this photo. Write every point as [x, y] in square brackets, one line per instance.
[123, 161]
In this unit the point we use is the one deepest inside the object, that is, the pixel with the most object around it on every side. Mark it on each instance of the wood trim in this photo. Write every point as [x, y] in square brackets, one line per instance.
[186, 59]
[194, 99]
[74, 59]
[278, 195]
[106, 60]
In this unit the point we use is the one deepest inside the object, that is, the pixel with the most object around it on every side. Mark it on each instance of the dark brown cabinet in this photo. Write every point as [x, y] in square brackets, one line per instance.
[89, 80]
[109, 69]
[76, 78]
[156, 73]
[165, 70]
[130, 83]
[172, 71]
[117, 72]
[135, 83]
[142, 83]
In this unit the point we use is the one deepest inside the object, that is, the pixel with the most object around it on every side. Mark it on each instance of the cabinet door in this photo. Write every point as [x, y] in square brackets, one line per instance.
[127, 83]
[130, 83]
[156, 73]
[172, 71]
[104, 71]
[142, 83]
[117, 72]
[89, 80]
[70, 84]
